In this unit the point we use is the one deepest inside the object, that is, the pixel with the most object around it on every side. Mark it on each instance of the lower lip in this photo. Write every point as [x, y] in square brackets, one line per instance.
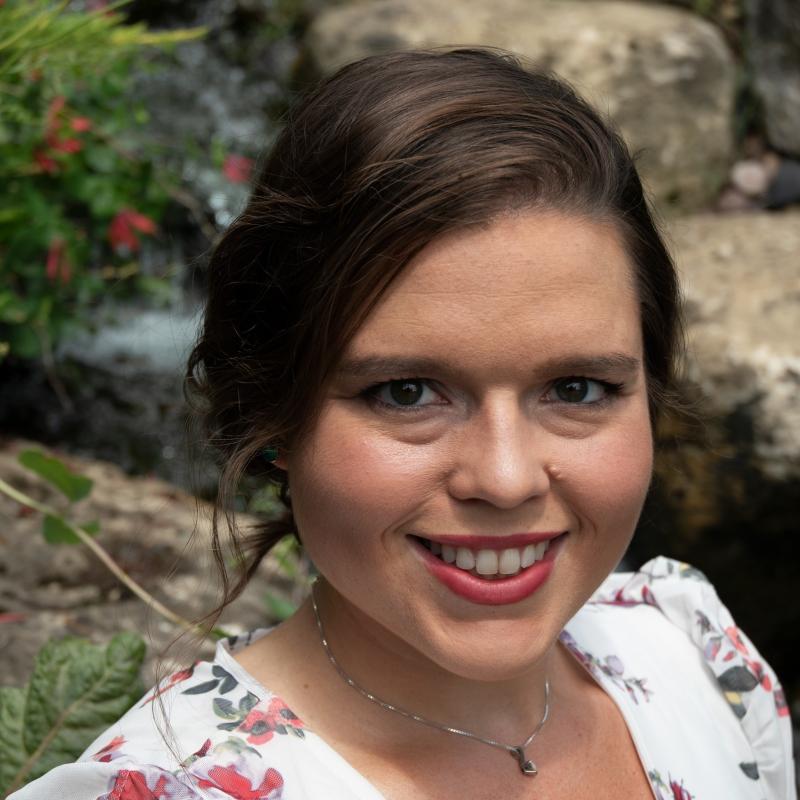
[496, 592]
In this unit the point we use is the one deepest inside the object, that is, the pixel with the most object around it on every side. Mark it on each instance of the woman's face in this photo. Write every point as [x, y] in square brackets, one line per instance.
[494, 403]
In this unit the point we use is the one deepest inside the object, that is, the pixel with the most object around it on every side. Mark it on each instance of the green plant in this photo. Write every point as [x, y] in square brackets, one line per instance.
[58, 529]
[78, 191]
[76, 691]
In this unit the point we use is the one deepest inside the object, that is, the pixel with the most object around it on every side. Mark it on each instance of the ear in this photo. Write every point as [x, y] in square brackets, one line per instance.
[275, 456]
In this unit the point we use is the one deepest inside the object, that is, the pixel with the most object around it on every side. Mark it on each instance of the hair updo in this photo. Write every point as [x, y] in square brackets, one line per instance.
[372, 165]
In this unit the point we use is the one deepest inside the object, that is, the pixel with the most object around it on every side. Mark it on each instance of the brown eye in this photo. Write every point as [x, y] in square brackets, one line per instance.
[572, 390]
[406, 393]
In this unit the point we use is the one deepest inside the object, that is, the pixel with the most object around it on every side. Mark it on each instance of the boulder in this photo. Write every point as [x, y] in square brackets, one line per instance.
[665, 75]
[773, 32]
[728, 466]
[742, 296]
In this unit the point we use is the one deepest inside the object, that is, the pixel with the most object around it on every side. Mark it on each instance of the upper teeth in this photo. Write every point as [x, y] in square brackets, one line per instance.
[491, 562]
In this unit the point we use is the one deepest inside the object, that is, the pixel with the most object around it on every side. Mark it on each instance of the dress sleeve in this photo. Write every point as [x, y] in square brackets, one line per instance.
[686, 597]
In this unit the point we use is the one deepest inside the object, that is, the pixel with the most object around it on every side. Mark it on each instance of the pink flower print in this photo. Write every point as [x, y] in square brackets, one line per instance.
[262, 723]
[757, 668]
[614, 665]
[204, 748]
[780, 702]
[733, 634]
[109, 751]
[172, 680]
[132, 785]
[712, 647]
[228, 780]
[678, 792]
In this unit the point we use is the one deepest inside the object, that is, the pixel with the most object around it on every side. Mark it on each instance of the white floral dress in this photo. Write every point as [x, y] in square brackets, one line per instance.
[706, 713]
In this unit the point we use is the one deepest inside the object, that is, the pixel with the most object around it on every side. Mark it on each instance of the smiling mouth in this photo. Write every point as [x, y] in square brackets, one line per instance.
[489, 564]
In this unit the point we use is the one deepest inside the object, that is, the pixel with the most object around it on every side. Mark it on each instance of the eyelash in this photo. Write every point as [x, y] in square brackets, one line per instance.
[611, 389]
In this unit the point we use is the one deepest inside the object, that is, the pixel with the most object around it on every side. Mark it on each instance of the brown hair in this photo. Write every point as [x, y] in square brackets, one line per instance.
[373, 164]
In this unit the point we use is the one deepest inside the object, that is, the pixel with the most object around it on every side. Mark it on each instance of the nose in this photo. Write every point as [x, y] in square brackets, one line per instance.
[500, 457]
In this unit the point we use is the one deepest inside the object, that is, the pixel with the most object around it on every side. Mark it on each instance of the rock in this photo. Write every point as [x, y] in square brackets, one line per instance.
[750, 177]
[663, 74]
[742, 291]
[49, 591]
[728, 470]
[732, 199]
[773, 32]
[784, 190]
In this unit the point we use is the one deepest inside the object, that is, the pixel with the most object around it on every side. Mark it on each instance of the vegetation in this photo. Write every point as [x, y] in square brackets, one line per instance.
[78, 192]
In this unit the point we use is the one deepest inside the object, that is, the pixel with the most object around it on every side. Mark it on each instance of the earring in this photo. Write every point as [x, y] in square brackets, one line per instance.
[270, 454]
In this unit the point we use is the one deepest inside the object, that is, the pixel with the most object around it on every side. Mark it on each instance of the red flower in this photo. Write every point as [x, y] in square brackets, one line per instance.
[57, 262]
[54, 109]
[237, 169]
[67, 145]
[132, 785]
[123, 228]
[46, 163]
[80, 124]
[12, 616]
[238, 786]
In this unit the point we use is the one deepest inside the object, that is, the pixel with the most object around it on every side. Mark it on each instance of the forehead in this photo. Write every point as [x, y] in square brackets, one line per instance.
[524, 285]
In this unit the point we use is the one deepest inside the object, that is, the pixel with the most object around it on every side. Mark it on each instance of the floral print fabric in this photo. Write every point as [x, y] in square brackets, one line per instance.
[705, 712]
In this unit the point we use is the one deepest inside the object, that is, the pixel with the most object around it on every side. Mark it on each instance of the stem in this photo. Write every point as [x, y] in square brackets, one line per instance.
[109, 562]
[50, 369]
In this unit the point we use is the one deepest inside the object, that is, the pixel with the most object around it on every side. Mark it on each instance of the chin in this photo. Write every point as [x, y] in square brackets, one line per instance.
[496, 650]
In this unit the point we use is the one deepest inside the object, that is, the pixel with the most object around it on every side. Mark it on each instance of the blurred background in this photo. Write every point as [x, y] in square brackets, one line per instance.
[128, 137]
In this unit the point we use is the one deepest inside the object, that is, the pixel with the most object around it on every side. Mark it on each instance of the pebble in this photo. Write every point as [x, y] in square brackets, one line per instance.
[750, 177]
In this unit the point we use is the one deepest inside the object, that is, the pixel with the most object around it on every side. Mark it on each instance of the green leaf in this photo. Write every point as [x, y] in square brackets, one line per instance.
[57, 531]
[76, 691]
[92, 528]
[279, 608]
[56, 472]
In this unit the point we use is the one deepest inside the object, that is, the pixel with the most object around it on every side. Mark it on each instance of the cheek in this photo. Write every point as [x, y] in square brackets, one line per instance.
[609, 477]
[355, 484]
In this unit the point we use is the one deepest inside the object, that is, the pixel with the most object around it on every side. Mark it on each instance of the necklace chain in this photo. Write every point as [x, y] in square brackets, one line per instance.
[518, 751]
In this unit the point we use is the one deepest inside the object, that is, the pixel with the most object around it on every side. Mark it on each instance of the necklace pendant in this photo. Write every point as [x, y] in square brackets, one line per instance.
[527, 767]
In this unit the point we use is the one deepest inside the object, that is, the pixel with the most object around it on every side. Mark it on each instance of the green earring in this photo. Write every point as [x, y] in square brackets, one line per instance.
[270, 454]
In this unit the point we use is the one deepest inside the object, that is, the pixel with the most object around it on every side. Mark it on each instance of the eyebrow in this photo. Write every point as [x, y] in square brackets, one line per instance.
[381, 366]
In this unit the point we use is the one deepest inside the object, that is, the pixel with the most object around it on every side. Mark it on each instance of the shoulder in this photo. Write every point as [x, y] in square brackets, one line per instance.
[668, 619]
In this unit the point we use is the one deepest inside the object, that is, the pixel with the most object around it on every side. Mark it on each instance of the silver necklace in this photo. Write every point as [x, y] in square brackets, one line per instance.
[518, 751]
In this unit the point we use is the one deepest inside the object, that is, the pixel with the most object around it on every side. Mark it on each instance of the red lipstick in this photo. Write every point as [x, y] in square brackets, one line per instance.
[499, 591]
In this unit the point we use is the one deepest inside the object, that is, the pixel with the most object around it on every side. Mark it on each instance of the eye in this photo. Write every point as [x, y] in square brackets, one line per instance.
[404, 393]
[584, 391]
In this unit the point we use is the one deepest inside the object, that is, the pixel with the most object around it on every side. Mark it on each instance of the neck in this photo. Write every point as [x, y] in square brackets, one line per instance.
[507, 710]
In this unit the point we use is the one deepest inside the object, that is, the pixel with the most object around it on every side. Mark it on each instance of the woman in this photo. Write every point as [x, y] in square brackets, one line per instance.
[445, 325]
